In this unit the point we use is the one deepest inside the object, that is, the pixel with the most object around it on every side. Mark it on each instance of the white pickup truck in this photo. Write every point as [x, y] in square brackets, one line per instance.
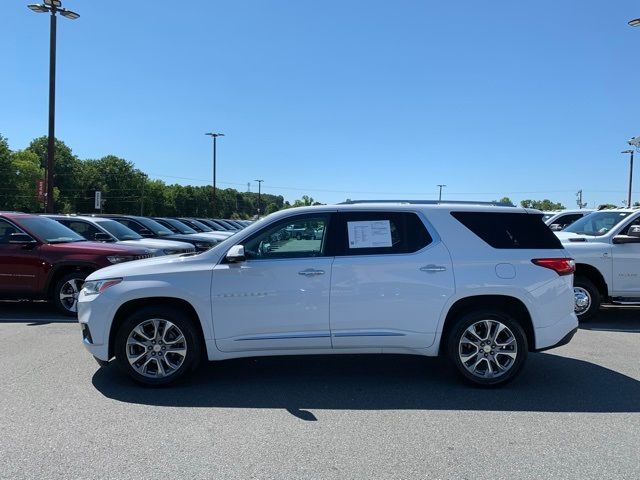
[606, 249]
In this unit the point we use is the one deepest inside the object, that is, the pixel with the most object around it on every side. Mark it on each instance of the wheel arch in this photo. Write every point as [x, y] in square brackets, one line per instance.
[504, 303]
[62, 269]
[593, 274]
[131, 306]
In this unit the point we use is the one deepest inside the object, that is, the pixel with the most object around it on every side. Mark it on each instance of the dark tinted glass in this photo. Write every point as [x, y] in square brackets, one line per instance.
[510, 230]
[355, 233]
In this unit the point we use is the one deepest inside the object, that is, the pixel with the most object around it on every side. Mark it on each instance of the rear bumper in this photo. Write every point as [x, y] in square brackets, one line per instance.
[563, 341]
[557, 334]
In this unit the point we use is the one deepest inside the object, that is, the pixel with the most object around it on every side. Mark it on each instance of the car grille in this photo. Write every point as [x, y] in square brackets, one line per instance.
[142, 257]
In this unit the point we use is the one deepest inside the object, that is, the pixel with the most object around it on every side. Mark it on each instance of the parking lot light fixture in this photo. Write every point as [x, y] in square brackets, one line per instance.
[635, 22]
[213, 199]
[53, 7]
[440, 193]
[259, 193]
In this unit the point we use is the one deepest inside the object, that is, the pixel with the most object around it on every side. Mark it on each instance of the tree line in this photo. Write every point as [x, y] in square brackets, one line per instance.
[124, 188]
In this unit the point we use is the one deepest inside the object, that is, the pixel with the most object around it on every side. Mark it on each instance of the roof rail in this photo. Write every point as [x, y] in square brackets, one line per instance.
[429, 202]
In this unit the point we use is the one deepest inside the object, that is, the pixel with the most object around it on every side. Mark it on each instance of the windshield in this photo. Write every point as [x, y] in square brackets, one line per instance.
[154, 226]
[179, 226]
[597, 223]
[118, 230]
[50, 231]
[201, 226]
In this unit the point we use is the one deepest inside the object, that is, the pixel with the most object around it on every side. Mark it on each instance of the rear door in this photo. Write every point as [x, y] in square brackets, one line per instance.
[389, 282]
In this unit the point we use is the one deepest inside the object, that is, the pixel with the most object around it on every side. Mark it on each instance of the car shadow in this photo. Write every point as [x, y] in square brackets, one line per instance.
[616, 318]
[549, 383]
[32, 313]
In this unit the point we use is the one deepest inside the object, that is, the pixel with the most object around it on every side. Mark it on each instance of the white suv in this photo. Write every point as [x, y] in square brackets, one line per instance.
[483, 285]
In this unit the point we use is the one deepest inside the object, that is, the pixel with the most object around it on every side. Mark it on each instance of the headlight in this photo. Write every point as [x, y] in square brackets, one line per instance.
[119, 258]
[94, 287]
[168, 251]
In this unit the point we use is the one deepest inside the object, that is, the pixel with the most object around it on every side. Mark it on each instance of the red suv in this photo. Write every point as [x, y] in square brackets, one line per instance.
[42, 259]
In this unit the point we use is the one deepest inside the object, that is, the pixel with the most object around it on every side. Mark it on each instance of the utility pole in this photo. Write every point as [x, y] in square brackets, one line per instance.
[579, 200]
[259, 192]
[213, 199]
[440, 194]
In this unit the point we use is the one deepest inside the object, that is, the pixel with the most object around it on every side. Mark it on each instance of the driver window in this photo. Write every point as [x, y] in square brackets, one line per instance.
[293, 238]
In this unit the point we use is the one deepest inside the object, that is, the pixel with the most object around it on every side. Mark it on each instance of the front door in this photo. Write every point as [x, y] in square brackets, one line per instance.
[278, 298]
[19, 264]
[389, 283]
[626, 265]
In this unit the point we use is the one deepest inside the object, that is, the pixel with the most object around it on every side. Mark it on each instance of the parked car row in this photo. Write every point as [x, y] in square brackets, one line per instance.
[48, 257]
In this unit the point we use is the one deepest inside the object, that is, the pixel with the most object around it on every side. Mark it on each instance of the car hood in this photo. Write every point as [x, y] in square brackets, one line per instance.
[156, 243]
[98, 248]
[570, 237]
[158, 266]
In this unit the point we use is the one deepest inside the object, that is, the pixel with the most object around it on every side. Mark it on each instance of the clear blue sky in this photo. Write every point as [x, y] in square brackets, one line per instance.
[337, 99]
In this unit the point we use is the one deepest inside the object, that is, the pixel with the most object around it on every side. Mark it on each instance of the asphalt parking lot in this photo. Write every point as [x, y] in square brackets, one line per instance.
[573, 413]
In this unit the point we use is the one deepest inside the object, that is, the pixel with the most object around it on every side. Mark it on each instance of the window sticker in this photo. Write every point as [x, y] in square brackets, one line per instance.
[376, 233]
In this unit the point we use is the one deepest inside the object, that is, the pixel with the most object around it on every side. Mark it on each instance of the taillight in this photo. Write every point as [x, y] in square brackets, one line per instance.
[562, 266]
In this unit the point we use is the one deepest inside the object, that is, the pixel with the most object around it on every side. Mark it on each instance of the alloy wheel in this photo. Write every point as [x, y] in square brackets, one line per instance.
[488, 349]
[69, 294]
[156, 348]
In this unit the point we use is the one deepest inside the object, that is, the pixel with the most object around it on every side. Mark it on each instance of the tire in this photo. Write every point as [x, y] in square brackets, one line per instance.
[585, 291]
[482, 367]
[151, 333]
[65, 293]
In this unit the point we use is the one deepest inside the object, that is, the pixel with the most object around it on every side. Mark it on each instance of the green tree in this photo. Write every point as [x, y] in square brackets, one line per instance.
[28, 171]
[604, 206]
[67, 172]
[545, 204]
[506, 200]
[7, 176]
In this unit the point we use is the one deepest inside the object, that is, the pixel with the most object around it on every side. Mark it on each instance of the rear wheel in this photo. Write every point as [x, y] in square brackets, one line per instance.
[157, 346]
[587, 298]
[488, 347]
[65, 293]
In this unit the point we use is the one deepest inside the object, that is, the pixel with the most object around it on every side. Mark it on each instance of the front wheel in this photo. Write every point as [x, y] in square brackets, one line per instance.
[586, 297]
[488, 348]
[157, 346]
[65, 293]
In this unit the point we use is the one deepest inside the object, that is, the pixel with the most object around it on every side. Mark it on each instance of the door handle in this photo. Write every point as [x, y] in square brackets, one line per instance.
[433, 268]
[310, 272]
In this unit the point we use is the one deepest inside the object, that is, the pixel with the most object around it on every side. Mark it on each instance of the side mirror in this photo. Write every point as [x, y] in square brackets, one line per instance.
[21, 239]
[555, 227]
[618, 239]
[101, 237]
[634, 231]
[236, 254]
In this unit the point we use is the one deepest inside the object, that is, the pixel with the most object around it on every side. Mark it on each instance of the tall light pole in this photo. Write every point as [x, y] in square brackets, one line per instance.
[630, 175]
[440, 194]
[53, 7]
[213, 200]
[259, 192]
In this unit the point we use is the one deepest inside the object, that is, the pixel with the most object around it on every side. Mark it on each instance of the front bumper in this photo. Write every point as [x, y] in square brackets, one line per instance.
[95, 315]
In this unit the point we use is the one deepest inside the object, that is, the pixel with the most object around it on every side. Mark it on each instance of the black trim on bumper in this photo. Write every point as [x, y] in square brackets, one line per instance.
[566, 339]
[86, 333]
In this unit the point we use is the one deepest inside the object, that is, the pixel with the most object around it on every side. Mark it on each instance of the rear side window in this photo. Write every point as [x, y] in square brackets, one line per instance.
[378, 233]
[510, 230]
